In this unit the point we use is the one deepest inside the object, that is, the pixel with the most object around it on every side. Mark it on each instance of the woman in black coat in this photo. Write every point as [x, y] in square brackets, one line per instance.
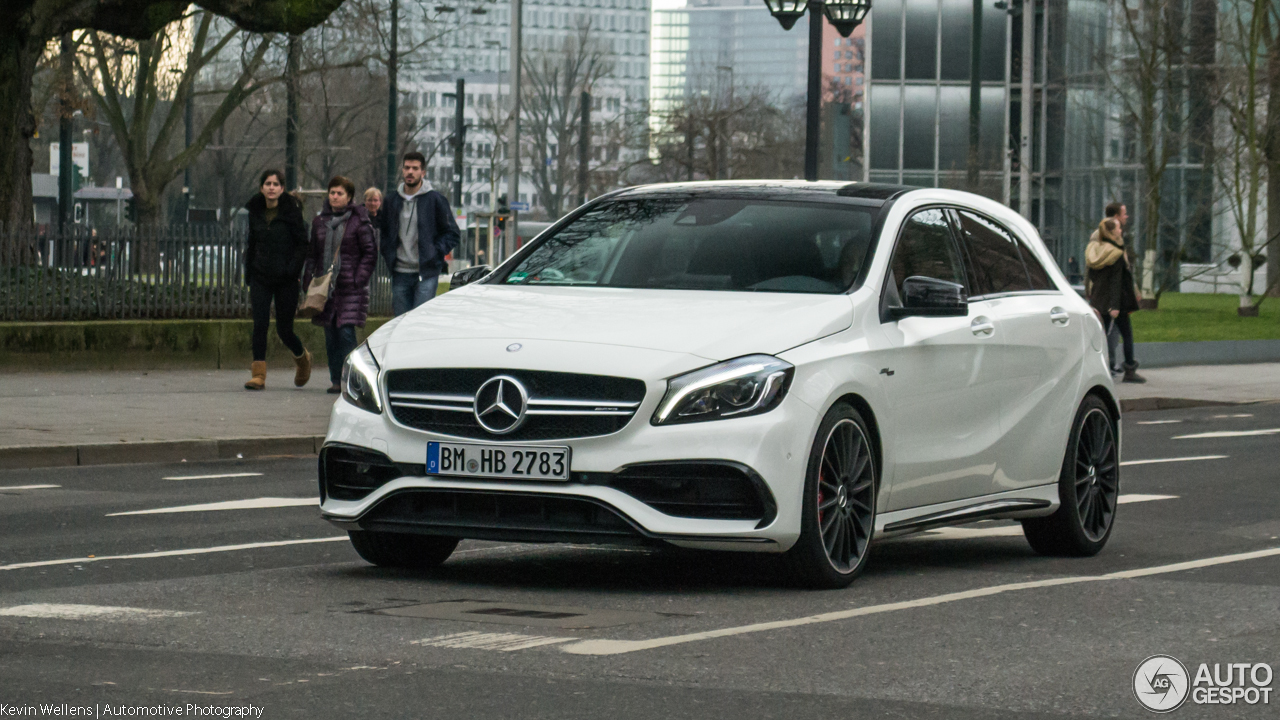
[272, 265]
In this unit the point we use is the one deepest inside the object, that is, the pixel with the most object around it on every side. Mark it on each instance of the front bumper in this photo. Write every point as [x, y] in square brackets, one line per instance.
[593, 506]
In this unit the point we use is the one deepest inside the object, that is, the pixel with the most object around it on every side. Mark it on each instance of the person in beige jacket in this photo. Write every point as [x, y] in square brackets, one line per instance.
[1109, 284]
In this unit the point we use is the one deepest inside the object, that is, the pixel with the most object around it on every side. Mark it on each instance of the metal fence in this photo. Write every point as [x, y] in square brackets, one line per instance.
[160, 273]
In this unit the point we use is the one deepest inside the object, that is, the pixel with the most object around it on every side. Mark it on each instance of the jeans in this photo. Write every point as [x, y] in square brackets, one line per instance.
[285, 295]
[408, 292]
[1126, 334]
[338, 344]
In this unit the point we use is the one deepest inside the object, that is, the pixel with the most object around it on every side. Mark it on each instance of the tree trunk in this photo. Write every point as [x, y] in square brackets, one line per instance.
[1271, 150]
[18, 56]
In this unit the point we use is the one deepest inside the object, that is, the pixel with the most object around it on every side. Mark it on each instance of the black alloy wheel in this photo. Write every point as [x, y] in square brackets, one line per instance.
[1088, 488]
[838, 516]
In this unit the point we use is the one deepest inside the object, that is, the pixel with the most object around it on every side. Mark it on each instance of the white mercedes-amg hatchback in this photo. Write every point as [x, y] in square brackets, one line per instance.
[773, 366]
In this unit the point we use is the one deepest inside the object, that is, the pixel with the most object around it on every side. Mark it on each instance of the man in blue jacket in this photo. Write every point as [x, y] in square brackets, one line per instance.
[418, 230]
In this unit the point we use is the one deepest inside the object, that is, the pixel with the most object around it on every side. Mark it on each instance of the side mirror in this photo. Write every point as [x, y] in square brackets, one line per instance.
[931, 297]
[470, 275]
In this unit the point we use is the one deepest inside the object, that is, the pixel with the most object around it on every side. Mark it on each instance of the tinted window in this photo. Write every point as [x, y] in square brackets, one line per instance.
[926, 249]
[704, 244]
[1035, 271]
[996, 261]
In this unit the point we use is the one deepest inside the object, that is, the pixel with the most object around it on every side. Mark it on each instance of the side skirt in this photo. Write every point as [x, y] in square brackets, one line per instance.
[1028, 502]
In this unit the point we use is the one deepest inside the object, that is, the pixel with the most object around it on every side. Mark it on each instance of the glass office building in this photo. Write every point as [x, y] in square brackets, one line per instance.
[1082, 155]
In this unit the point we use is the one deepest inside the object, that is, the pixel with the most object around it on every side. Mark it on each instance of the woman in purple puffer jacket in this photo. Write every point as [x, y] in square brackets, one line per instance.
[348, 306]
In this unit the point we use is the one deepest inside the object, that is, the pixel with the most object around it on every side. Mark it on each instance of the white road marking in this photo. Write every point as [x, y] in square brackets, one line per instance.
[618, 647]
[1152, 461]
[29, 487]
[87, 612]
[1237, 415]
[170, 553]
[504, 642]
[251, 504]
[1136, 498]
[212, 477]
[1228, 433]
[1158, 422]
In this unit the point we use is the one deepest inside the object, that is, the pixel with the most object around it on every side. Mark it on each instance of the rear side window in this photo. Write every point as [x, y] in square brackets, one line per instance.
[997, 263]
[1035, 271]
[926, 249]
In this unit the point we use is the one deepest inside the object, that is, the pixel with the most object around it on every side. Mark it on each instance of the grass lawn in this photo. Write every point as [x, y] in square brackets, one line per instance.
[1184, 317]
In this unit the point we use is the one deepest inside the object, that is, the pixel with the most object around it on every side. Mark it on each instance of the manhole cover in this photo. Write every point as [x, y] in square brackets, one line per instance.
[568, 618]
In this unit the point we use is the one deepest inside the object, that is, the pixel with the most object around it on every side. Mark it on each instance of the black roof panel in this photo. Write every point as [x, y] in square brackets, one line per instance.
[874, 191]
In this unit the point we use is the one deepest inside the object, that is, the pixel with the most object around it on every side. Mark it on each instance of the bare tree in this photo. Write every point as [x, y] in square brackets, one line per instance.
[551, 115]
[142, 87]
[700, 136]
[1242, 161]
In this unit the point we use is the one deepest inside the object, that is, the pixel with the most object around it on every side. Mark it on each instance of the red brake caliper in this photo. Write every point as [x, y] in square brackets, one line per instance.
[820, 511]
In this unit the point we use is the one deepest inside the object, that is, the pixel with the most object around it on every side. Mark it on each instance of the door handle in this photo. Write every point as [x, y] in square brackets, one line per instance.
[1058, 316]
[982, 326]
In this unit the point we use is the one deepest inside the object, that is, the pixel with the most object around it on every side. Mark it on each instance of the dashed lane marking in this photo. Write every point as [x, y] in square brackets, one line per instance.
[1228, 434]
[1153, 461]
[251, 504]
[29, 487]
[87, 612]
[1137, 498]
[1158, 422]
[212, 477]
[504, 642]
[171, 553]
[619, 647]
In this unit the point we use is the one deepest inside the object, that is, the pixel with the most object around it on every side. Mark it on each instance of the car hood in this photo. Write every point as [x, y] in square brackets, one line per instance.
[714, 325]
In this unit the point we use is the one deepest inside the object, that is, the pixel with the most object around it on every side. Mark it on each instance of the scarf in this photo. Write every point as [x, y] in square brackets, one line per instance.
[336, 228]
[1105, 247]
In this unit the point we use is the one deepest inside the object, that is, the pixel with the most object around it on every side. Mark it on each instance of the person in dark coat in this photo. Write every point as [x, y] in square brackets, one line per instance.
[342, 229]
[1111, 288]
[273, 260]
[417, 231]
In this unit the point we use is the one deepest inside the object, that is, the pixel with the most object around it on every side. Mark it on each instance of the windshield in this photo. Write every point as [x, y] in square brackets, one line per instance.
[704, 244]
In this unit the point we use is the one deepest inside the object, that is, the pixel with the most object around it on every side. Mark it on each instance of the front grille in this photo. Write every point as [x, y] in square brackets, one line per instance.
[501, 516]
[561, 405]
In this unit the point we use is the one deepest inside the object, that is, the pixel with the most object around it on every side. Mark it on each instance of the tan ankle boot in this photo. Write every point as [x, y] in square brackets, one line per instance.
[303, 373]
[259, 379]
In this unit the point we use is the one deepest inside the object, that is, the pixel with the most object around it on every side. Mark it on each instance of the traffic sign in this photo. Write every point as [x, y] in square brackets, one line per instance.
[520, 206]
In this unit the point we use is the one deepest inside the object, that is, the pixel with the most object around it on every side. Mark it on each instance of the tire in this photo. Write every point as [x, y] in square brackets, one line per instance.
[840, 487]
[1088, 488]
[396, 550]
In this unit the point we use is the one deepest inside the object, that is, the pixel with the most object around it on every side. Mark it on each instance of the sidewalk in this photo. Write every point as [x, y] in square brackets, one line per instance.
[92, 418]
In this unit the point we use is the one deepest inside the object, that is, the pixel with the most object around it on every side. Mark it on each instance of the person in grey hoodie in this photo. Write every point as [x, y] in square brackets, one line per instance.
[417, 232]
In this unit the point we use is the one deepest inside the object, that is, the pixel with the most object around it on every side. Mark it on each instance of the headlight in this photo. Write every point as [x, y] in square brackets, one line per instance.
[744, 386]
[360, 380]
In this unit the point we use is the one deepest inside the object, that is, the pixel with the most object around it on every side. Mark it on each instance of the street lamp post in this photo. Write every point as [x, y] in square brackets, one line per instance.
[844, 15]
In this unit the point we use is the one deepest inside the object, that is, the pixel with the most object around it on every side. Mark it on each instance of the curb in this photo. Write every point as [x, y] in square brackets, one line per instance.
[1206, 352]
[160, 451]
[1158, 403]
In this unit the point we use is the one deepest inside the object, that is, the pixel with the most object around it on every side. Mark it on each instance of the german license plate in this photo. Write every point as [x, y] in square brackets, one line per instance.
[507, 462]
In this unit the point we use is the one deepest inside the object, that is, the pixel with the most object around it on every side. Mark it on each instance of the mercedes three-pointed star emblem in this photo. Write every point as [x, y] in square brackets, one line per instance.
[500, 405]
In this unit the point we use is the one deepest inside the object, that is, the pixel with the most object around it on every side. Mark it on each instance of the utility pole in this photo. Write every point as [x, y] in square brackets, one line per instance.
[65, 168]
[975, 95]
[187, 119]
[291, 110]
[459, 139]
[393, 97]
[813, 109]
[584, 146]
[513, 136]
[1025, 160]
